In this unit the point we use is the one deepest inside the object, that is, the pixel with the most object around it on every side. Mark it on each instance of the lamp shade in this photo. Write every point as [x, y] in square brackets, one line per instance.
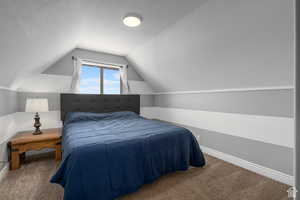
[37, 105]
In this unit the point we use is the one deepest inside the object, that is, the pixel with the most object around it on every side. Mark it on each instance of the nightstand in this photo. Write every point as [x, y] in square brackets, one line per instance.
[25, 141]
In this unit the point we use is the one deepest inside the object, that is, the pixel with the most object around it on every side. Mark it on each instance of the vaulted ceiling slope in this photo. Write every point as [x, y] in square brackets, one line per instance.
[221, 45]
[36, 33]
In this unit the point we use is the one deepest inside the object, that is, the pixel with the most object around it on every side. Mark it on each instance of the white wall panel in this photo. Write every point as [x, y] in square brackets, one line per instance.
[48, 119]
[8, 129]
[274, 130]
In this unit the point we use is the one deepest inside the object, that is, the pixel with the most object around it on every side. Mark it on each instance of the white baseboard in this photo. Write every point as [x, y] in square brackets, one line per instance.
[4, 171]
[264, 171]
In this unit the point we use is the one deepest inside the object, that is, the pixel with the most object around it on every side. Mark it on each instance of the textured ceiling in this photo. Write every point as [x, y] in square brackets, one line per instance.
[35, 33]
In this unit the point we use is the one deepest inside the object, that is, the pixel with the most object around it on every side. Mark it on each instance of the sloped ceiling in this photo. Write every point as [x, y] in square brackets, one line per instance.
[222, 45]
[36, 33]
[181, 45]
[33, 35]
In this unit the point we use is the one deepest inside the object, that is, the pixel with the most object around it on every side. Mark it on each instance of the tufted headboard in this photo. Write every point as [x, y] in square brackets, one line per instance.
[98, 103]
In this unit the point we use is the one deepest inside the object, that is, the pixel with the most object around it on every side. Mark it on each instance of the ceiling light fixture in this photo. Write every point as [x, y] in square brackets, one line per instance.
[132, 20]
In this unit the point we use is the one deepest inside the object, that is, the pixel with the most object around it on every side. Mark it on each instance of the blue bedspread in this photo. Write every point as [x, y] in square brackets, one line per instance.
[108, 155]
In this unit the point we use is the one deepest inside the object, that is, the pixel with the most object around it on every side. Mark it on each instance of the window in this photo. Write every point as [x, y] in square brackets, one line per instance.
[99, 80]
[111, 81]
[90, 80]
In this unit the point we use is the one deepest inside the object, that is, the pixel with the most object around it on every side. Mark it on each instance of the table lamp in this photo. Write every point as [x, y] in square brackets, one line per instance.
[37, 105]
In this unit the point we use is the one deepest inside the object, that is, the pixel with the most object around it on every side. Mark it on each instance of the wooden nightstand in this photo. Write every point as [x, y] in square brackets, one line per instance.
[25, 141]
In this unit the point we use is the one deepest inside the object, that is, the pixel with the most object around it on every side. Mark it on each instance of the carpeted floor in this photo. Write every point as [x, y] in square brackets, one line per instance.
[216, 181]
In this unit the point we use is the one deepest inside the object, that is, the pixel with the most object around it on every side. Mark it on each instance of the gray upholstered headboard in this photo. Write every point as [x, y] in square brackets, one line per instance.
[98, 103]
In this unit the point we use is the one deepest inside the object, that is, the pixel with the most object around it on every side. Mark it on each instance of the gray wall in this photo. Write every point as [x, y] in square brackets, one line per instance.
[8, 102]
[264, 102]
[275, 103]
[147, 100]
[64, 66]
[265, 154]
[54, 100]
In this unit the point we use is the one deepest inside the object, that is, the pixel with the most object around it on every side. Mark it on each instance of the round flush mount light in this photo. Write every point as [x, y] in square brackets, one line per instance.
[132, 20]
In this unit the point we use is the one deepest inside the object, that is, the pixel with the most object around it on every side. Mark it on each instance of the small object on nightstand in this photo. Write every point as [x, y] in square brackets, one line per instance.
[25, 141]
[37, 105]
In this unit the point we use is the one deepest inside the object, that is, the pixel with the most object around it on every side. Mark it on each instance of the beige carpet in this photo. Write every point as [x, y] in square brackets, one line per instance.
[217, 181]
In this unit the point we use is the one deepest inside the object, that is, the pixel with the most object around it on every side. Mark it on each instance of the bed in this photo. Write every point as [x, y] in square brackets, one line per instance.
[109, 154]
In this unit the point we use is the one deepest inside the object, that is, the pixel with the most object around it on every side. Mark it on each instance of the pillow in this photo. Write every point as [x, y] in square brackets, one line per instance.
[124, 114]
[89, 116]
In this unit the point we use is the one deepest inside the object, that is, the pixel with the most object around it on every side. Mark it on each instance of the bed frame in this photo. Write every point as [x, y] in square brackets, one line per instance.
[98, 103]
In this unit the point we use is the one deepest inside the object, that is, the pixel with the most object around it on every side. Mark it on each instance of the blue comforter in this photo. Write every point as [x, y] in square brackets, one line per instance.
[108, 155]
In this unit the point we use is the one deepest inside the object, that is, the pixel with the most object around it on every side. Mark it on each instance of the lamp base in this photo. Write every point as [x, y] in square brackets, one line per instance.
[37, 132]
[37, 125]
